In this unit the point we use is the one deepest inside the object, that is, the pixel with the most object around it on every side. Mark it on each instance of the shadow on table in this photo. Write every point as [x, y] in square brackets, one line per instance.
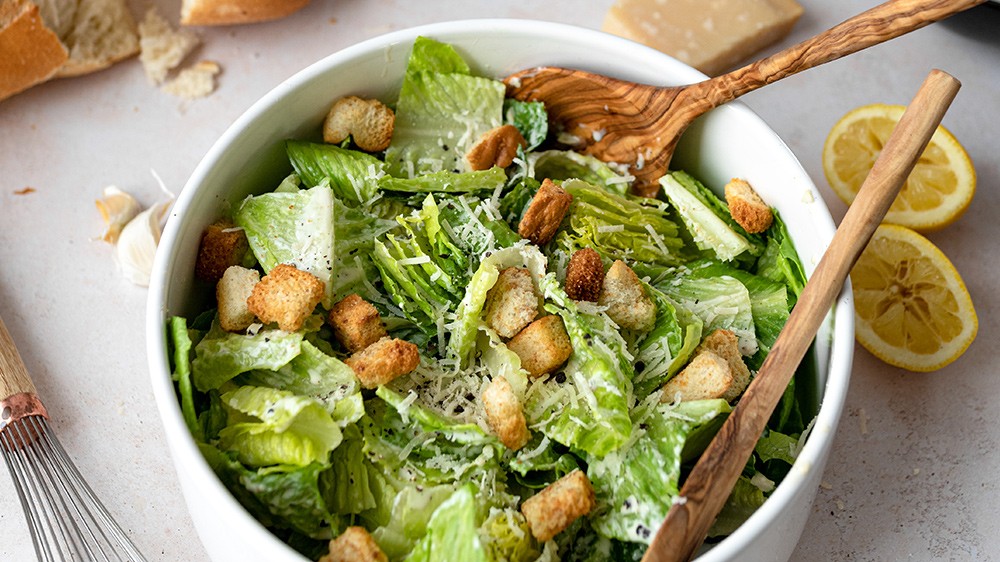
[980, 24]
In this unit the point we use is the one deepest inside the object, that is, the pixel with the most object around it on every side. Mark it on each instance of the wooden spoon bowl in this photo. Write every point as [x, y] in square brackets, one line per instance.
[640, 125]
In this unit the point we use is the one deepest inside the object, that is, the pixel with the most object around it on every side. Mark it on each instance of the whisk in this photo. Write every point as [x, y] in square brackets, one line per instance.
[66, 519]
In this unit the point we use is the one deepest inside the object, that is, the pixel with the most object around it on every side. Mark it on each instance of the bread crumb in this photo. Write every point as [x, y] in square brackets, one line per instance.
[746, 207]
[584, 275]
[162, 48]
[195, 81]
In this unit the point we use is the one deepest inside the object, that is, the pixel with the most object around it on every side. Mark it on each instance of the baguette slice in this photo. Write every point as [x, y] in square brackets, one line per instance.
[228, 12]
[103, 33]
[30, 52]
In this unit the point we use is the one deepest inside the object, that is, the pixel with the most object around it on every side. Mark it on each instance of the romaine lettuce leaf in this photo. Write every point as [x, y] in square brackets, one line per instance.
[636, 485]
[314, 373]
[221, 355]
[780, 262]
[293, 228]
[346, 485]
[269, 426]
[507, 537]
[181, 344]
[408, 513]
[446, 181]
[530, 119]
[559, 165]
[353, 175]
[741, 504]
[280, 496]
[452, 532]
[720, 302]
[441, 112]
[703, 221]
[476, 226]
[668, 346]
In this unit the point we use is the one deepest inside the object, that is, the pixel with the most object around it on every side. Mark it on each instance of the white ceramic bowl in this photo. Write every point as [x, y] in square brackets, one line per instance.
[249, 158]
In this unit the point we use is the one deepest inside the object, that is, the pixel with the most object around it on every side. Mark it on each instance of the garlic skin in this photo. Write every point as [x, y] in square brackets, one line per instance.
[137, 243]
[117, 207]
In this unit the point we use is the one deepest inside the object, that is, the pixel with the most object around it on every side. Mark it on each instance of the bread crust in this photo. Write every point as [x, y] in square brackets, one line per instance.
[229, 12]
[30, 52]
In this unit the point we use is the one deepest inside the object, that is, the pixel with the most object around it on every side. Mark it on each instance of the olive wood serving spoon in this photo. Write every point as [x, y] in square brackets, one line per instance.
[708, 485]
[639, 125]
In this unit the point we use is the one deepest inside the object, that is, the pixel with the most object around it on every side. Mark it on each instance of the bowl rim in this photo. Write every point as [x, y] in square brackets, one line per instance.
[184, 450]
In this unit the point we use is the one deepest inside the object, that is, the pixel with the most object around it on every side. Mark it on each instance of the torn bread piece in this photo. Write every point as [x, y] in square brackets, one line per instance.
[286, 295]
[354, 545]
[504, 414]
[747, 208]
[584, 275]
[497, 147]
[558, 505]
[30, 52]
[356, 323]
[162, 48]
[511, 304]
[196, 81]
[230, 12]
[544, 214]
[626, 300]
[103, 33]
[222, 245]
[543, 346]
[384, 361]
[231, 294]
[368, 122]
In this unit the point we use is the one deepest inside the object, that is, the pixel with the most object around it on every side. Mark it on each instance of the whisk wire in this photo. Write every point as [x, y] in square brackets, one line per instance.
[65, 518]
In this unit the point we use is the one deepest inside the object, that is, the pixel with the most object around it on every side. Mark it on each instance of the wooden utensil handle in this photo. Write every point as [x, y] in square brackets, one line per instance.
[877, 25]
[13, 374]
[708, 485]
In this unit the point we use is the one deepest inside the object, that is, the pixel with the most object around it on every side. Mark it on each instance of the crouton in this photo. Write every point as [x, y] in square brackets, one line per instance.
[584, 275]
[368, 122]
[384, 361]
[222, 245]
[511, 304]
[287, 296]
[231, 294]
[356, 323]
[626, 299]
[354, 545]
[726, 345]
[497, 147]
[706, 376]
[543, 346]
[546, 210]
[504, 414]
[746, 207]
[559, 504]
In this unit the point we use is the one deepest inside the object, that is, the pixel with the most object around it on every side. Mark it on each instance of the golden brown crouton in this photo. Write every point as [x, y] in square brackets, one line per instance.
[368, 122]
[497, 147]
[354, 545]
[231, 294]
[746, 207]
[287, 296]
[706, 376]
[543, 345]
[628, 304]
[504, 414]
[384, 361]
[584, 275]
[511, 304]
[556, 507]
[546, 210]
[222, 245]
[726, 345]
[356, 323]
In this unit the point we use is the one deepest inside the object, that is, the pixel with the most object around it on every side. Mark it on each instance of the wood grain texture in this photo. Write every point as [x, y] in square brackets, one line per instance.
[14, 377]
[640, 125]
[708, 485]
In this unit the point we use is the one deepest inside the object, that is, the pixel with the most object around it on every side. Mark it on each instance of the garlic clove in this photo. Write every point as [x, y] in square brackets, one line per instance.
[117, 208]
[137, 243]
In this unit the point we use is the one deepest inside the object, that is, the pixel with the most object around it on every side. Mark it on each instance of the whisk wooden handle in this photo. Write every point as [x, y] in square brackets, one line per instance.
[14, 377]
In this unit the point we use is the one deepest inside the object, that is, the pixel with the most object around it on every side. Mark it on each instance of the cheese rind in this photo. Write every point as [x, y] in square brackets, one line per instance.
[710, 35]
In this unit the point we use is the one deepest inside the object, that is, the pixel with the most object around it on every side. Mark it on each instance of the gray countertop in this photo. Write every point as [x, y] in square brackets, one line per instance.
[912, 471]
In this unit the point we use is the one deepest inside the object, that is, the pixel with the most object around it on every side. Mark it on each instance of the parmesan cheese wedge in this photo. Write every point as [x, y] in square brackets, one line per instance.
[710, 35]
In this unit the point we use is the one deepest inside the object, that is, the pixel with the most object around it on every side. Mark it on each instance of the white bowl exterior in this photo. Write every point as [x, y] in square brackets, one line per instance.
[249, 158]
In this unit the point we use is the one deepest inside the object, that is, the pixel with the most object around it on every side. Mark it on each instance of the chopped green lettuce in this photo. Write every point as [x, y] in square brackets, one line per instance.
[720, 302]
[452, 532]
[530, 119]
[442, 110]
[221, 355]
[446, 181]
[707, 228]
[353, 175]
[269, 426]
[743, 501]
[181, 343]
[558, 165]
[668, 346]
